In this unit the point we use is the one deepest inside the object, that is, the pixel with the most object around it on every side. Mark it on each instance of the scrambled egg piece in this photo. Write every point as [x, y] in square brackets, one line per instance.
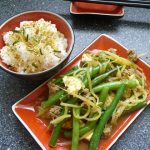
[73, 84]
[86, 58]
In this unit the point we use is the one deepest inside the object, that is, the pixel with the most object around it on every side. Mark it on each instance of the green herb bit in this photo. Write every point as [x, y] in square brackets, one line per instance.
[33, 64]
[41, 52]
[15, 42]
[16, 31]
[56, 51]
[27, 38]
[23, 31]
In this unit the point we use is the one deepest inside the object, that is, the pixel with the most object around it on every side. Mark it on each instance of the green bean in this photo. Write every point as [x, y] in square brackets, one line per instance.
[75, 131]
[59, 95]
[89, 126]
[73, 69]
[136, 107]
[115, 85]
[100, 78]
[105, 117]
[62, 95]
[103, 95]
[83, 130]
[56, 132]
[59, 80]
[98, 70]
[57, 129]
[94, 71]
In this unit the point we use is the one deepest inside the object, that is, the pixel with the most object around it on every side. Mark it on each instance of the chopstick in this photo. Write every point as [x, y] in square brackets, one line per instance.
[129, 3]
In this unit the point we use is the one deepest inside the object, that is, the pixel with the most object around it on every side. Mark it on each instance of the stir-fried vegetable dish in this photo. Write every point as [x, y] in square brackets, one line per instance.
[86, 102]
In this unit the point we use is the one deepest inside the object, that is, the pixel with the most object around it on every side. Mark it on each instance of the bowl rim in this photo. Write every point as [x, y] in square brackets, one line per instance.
[47, 70]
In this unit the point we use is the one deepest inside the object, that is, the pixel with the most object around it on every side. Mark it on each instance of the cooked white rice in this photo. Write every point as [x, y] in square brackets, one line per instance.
[33, 47]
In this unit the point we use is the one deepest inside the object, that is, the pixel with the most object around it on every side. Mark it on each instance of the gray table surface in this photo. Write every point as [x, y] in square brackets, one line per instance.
[133, 30]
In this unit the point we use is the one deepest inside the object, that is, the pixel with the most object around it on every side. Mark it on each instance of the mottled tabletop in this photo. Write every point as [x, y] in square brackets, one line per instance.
[133, 31]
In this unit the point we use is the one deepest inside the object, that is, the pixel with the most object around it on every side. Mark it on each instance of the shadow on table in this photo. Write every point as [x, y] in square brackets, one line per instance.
[18, 86]
[107, 23]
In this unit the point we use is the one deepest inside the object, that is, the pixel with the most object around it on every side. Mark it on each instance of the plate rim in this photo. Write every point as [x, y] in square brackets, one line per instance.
[25, 125]
[98, 14]
[115, 139]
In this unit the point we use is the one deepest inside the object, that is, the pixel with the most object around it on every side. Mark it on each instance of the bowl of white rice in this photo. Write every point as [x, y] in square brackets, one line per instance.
[35, 44]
